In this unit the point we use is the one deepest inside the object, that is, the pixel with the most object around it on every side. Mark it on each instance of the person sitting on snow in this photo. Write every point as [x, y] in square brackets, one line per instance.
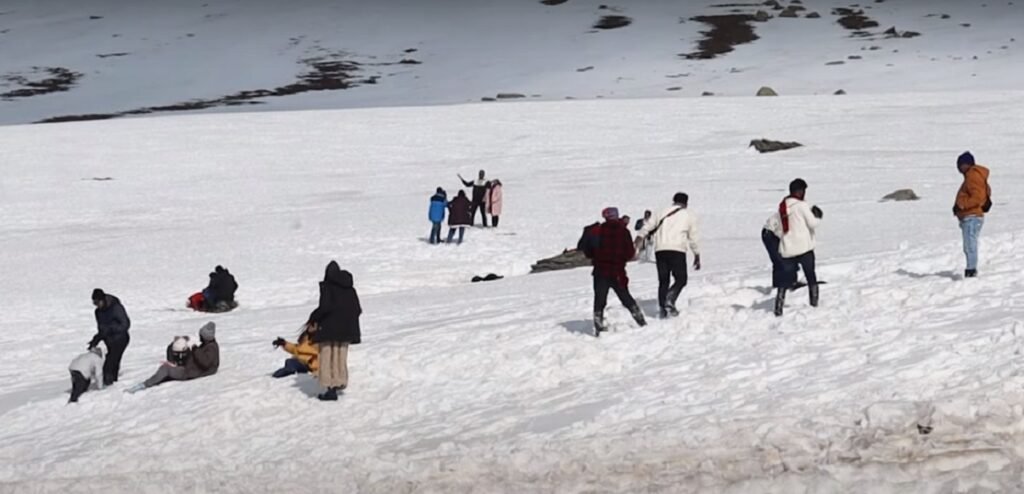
[304, 354]
[86, 369]
[202, 361]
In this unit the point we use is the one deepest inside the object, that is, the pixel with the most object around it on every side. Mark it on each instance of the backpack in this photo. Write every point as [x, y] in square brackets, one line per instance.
[590, 241]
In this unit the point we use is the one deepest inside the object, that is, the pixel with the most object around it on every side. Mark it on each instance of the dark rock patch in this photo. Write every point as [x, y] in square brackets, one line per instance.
[707, 93]
[855, 57]
[762, 16]
[769, 146]
[411, 50]
[41, 80]
[789, 14]
[553, 2]
[585, 69]
[854, 20]
[813, 15]
[488, 99]
[110, 55]
[727, 32]
[901, 195]
[510, 96]
[766, 91]
[835, 62]
[839, 93]
[674, 88]
[613, 22]
[409, 61]
[95, 17]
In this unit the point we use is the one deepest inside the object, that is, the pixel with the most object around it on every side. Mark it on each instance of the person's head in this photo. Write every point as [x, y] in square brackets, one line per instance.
[610, 214]
[625, 219]
[99, 299]
[681, 199]
[440, 191]
[97, 351]
[462, 194]
[308, 331]
[208, 332]
[648, 214]
[482, 174]
[219, 269]
[965, 161]
[798, 188]
[495, 182]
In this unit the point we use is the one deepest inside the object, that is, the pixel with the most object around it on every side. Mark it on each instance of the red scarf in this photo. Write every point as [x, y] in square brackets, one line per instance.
[784, 213]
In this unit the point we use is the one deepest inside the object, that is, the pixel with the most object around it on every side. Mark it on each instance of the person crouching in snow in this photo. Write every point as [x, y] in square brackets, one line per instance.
[305, 354]
[438, 205]
[609, 255]
[202, 361]
[796, 245]
[86, 369]
[459, 216]
[495, 196]
[336, 319]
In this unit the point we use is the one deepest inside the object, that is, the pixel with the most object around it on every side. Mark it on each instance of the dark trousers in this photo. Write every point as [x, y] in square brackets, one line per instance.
[601, 287]
[771, 244]
[451, 233]
[805, 262]
[166, 373]
[483, 212]
[116, 346]
[79, 385]
[435, 233]
[494, 221]
[671, 264]
[291, 366]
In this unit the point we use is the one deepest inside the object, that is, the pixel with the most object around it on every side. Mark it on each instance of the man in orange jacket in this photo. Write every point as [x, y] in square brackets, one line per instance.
[973, 200]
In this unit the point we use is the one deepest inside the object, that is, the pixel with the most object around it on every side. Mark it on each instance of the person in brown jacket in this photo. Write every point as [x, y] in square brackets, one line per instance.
[202, 361]
[973, 200]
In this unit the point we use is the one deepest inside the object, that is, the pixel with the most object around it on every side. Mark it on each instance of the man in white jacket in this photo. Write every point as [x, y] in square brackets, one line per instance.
[675, 233]
[86, 369]
[796, 244]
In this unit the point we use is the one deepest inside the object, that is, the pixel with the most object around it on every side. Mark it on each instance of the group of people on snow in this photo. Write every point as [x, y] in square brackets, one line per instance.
[487, 198]
[322, 348]
[219, 294]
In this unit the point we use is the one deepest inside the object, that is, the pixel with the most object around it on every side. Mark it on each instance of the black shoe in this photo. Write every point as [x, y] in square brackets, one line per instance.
[638, 316]
[330, 395]
[813, 290]
[663, 313]
[970, 273]
[671, 310]
[780, 302]
[599, 324]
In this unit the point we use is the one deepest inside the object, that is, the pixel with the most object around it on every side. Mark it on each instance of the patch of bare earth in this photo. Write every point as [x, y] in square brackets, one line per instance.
[854, 20]
[613, 22]
[41, 80]
[727, 31]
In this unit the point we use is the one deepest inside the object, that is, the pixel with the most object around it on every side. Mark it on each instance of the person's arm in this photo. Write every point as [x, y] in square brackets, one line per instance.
[120, 324]
[465, 183]
[649, 225]
[977, 192]
[203, 357]
[693, 235]
[809, 217]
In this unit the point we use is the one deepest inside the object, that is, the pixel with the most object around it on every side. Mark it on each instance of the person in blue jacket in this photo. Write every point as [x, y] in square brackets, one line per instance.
[438, 205]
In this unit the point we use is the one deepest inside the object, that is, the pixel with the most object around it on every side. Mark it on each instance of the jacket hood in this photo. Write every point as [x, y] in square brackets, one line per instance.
[337, 276]
[439, 197]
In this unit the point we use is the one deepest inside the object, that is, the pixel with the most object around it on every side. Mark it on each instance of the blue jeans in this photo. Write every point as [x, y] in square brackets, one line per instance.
[971, 228]
[435, 233]
[451, 233]
[291, 366]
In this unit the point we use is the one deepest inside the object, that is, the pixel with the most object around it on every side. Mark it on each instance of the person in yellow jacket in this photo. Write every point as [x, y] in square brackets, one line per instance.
[973, 200]
[305, 354]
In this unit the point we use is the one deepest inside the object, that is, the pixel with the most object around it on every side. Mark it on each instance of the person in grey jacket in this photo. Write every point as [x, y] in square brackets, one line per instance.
[86, 369]
[112, 325]
[202, 361]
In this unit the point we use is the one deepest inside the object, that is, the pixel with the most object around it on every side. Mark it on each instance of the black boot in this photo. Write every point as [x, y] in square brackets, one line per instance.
[971, 273]
[813, 290]
[330, 395]
[638, 316]
[599, 324]
[780, 301]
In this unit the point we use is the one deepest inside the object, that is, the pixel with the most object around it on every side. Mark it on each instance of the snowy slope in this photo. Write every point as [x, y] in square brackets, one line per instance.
[150, 53]
[494, 387]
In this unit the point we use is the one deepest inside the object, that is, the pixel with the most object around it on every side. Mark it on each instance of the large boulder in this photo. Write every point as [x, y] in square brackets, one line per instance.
[901, 195]
[766, 91]
[570, 259]
[762, 16]
[769, 146]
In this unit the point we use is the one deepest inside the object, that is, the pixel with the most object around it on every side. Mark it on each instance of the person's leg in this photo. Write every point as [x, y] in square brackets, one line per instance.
[451, 234]
[494, 221]
[291, 366]
[483, 214]
[622, 291]
[771, 244]
[435, 233]
[116, 346]
[601, 286]
[327, 366]
[679, 273]
[342, 370]
[79, 385]
[808, 264]
[162, 374]
[462, 233]
[664, 274]
[971, 228]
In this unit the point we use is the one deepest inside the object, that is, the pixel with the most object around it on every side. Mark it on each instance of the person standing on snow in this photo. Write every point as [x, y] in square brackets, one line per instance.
[494, 200]
[480, 187]
[112, 325]
[798, 221]
[973, 200]
[202, 361]
[675, 233]
[86, 369]
[644, 246]
[609, 251]
[438, 206]
[336, 321]
[459, 216]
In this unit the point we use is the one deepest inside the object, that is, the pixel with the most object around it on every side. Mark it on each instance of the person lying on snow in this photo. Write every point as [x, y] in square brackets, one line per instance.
[202, 361]
[86, 369]
[305, 354]
[219, 294]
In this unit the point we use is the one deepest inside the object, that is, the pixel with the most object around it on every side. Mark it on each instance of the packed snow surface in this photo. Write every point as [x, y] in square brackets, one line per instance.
[499, 387]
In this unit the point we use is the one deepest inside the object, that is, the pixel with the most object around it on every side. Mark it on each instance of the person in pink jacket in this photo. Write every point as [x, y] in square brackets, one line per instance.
[494, 201]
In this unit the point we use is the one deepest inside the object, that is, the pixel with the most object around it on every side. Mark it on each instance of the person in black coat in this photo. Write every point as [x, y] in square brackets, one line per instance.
[460, 216]
[337, 326]
[112, 325]
[480, 188]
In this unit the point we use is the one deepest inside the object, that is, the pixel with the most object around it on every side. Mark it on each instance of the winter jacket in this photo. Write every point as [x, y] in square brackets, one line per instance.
[480, 187]
[111, 321]
[774, 224]
[226, 287]
[973, 193]
[460, 211]
[304, 351]
[799, 240]
[494, 199]
[438, 205]
[338, 313]
[677, 232]
[615, 249]
[204, 360]
[90, 364]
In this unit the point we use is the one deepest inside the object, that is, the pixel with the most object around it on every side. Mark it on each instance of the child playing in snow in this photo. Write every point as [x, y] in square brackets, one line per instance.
[86, 369]
[304, 354]
[202, 361]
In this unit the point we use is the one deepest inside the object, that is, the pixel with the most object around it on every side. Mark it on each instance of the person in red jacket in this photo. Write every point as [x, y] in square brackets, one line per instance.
[610, 253]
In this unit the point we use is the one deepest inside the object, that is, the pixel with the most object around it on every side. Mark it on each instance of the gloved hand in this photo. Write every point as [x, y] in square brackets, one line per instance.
[279, 342]
[956, 210]
[696, 262]
[816, 211]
